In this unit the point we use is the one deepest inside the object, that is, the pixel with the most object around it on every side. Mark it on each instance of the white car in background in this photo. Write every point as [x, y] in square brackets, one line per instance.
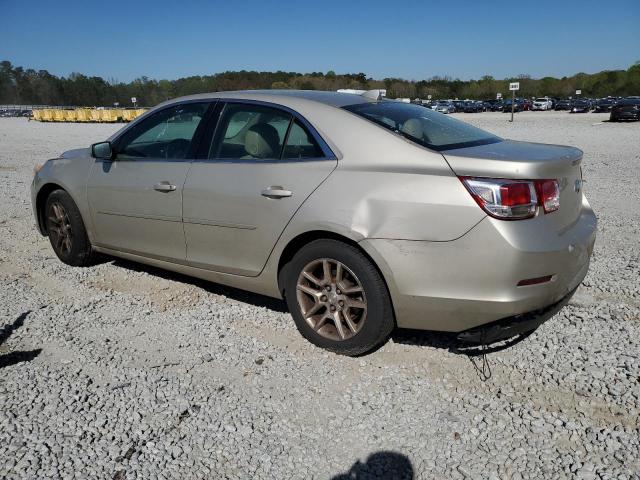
[443, 107]
[542, 104]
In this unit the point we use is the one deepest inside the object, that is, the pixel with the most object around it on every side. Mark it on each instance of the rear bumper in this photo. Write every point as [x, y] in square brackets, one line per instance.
[509, 327]
[458, 285]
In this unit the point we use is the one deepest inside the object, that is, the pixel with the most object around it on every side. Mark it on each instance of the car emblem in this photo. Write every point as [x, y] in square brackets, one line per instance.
[577, 186]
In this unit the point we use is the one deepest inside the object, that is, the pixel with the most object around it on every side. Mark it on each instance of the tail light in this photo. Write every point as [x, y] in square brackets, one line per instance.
[549, 194]
[513, 199]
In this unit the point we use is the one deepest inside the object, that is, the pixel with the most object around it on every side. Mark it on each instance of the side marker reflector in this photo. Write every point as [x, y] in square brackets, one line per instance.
[535, 281]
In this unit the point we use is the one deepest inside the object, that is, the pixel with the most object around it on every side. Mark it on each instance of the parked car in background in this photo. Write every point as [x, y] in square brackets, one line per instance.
[334, 202]
[497, 105]
[604, 105]
[542, 104]
[486, 105]
[580, 106]
[443, 107]
[626, 109]
[526, 104]
[518, 105]
[471, 106]
[459, 105]
[564, 104]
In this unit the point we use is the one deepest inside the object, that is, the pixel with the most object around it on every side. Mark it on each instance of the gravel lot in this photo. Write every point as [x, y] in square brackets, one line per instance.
[123, 371]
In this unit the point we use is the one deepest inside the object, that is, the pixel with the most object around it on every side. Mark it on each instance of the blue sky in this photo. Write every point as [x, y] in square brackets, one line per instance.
[409, 39]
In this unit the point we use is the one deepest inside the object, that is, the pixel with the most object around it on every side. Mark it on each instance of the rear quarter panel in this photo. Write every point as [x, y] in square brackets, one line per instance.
[385, 187]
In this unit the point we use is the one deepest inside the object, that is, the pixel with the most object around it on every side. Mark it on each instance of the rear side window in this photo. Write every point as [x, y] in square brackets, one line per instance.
[300, 144]
[165, 134]
[422, 125]
[250, 132]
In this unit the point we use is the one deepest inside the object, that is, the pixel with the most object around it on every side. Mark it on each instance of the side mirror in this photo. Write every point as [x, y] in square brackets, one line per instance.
[102, 151]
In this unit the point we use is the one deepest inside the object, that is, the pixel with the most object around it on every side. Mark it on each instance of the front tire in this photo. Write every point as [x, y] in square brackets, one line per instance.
[66, 230]
[338, 299]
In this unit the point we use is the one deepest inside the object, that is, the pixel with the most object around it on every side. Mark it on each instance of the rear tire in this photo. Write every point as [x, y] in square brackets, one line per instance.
[66, 230]
[338, 299]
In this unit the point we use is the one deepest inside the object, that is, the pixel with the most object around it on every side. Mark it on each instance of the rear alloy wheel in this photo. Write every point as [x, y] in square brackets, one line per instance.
[337, 298]
[66, 230]
[331, 299]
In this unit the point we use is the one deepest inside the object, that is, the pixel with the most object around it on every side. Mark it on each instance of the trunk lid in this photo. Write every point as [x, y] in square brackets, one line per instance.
[527, 161]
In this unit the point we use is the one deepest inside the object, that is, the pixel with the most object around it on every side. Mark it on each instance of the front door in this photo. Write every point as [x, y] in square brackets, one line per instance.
[136, 198]
[262, 165]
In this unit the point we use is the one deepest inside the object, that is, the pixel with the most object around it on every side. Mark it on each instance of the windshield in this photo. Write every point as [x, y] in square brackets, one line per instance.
[541, 99]
[423, 126]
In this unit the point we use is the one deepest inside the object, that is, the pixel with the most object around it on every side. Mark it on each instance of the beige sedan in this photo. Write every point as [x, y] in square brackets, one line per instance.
[364, 214]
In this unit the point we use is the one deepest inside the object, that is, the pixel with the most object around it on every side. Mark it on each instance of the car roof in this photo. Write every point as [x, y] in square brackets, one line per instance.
[334, 99]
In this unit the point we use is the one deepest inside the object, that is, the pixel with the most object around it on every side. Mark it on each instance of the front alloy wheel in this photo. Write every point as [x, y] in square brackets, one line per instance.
[65, 228]
[59, 228]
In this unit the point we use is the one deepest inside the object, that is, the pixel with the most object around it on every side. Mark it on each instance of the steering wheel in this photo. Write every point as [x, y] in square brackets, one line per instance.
[177, 148]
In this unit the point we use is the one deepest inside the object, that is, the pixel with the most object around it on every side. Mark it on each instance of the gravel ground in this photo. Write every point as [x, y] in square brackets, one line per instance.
[123, 371]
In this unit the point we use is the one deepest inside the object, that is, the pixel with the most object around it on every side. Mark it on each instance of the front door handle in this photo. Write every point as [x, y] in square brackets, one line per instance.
[276, 192]
[164, 187]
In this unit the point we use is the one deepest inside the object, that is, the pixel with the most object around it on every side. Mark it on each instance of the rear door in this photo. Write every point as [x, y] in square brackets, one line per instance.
[263, 162]
[136, 198]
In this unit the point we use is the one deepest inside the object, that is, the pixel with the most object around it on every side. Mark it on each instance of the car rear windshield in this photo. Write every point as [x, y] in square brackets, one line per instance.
[629, 101]
[422, 125]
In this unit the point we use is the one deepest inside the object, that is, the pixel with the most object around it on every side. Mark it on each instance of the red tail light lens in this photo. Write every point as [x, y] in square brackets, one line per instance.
[549, 194]
[514, 194]
[513, 199]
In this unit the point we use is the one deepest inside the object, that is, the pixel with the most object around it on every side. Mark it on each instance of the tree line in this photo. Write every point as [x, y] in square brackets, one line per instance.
[38, 87]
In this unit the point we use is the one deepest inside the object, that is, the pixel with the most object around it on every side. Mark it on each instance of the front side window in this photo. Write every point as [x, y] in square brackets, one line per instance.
[166, 134]
[423, 126]
[250, 132]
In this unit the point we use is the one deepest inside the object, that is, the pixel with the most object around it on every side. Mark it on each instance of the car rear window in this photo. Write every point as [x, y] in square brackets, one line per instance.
[423, 126]
[629, 101]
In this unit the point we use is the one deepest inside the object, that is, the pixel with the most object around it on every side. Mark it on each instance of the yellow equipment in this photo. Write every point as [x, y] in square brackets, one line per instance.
[109, 115]
[58, 115]
[83, 115]
[69, 115]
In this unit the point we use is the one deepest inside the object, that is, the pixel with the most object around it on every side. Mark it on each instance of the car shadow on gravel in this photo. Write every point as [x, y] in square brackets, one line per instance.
[11, 358]
[383, 464]
[476, 353]
[448, 341]
[211, 287]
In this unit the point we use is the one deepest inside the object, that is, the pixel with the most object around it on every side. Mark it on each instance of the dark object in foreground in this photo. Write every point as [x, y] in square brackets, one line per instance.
[509, 327]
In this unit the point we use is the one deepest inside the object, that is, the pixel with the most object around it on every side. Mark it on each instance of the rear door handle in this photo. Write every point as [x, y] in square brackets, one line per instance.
[276, 192]
[164, 187]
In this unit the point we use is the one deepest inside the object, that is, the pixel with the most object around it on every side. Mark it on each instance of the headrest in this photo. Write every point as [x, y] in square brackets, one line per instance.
[262, 141]
[413, 128]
